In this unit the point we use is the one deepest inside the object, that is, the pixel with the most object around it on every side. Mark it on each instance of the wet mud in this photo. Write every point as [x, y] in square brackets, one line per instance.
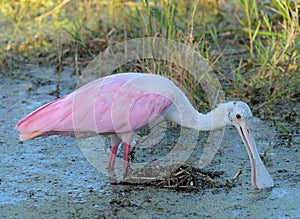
[51, 177]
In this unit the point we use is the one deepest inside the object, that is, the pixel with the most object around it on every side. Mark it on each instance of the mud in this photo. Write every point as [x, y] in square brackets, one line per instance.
[51, 178]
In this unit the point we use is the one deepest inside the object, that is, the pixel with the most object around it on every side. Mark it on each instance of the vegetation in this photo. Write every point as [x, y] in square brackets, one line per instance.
[253, 46]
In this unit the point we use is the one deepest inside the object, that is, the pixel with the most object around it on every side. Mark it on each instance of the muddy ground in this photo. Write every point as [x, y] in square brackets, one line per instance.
[51, 178]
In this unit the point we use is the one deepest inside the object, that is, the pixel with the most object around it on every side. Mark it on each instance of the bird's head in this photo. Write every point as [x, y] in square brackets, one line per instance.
[238, 113]
[240, 116]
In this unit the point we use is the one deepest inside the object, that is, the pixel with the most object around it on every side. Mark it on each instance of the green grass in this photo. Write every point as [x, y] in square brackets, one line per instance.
[252, 46]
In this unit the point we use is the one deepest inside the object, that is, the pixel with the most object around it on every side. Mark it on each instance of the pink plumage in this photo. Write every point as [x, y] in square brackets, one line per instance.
[113, 104]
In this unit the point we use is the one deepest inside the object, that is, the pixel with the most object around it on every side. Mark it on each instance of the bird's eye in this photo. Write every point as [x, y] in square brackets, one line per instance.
[238, 116]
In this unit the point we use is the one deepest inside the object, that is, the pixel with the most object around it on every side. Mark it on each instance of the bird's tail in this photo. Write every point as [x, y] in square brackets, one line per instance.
[52, 117]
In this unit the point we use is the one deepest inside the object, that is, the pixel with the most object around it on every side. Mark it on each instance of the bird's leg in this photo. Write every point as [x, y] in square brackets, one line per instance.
[115, 141]
[112, 156]
[126, 157]
[126, 138]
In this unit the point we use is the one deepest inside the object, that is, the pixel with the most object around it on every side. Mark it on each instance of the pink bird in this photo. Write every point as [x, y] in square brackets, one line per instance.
[119, 105]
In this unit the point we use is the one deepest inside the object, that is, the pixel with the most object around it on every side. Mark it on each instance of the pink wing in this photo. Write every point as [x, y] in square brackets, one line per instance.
[103, 106]
[45, 119]
[134, 113]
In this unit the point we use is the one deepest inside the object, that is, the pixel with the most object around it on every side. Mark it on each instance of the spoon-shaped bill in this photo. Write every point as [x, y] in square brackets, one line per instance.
[260, 178]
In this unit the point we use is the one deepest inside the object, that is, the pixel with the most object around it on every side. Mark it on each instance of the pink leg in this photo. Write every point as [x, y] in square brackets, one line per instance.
[112, 156]
[126, 157]
[115, 141]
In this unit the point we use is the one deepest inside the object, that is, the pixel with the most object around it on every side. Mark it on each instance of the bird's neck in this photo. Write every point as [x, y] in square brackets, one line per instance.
[213, 120]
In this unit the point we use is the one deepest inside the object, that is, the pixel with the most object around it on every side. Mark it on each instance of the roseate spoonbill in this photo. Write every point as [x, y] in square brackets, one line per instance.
[120, 104]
